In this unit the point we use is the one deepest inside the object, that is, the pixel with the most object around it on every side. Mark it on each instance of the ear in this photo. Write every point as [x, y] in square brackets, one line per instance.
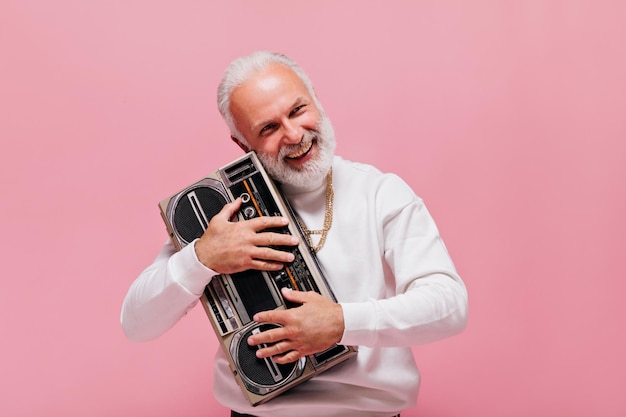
[240, 144]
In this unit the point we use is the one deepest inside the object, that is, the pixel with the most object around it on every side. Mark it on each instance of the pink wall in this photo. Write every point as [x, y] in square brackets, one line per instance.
[507, 117]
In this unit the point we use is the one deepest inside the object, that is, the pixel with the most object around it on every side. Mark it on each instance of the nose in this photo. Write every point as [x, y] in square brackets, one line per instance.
[292, 133]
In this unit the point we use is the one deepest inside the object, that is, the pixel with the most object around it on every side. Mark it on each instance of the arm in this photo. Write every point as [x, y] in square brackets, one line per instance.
[163, 293]
[172, 285]
[427, 299]
[430, 300]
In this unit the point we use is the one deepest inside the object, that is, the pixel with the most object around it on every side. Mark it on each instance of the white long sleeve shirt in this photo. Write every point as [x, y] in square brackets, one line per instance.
[389, 270]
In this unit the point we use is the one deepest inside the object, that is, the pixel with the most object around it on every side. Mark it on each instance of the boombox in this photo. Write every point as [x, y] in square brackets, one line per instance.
[231, 300]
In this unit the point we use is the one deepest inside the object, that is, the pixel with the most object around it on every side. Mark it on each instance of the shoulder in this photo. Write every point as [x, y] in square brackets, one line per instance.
[366, 178]
[346, 167]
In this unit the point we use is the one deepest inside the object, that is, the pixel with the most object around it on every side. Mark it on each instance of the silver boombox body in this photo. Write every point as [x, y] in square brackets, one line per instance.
[231, 300]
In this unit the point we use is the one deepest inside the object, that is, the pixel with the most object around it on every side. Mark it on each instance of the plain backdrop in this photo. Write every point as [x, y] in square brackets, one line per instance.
[507, 117]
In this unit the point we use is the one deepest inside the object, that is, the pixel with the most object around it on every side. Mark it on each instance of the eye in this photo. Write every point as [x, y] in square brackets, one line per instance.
[297, 110]
[268, 128]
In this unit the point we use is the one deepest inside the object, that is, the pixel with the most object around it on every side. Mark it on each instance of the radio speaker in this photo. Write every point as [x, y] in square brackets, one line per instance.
[231, 300]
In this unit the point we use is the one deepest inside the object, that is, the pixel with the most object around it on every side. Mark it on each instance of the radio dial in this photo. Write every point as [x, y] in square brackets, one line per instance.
[249, 212]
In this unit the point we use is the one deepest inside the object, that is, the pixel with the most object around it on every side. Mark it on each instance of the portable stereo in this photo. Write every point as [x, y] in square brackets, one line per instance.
[231, 300]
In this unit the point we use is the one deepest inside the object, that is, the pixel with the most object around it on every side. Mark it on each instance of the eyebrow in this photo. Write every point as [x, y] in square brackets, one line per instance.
[258, 126]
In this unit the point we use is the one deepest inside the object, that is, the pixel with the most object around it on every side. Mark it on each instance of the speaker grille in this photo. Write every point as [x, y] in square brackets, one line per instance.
[194, 210]
[255, 369]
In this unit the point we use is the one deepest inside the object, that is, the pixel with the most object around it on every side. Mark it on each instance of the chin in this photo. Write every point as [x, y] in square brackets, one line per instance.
[310, 172]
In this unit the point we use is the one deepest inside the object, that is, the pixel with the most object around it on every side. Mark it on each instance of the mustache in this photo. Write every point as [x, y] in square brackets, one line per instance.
[307, 138]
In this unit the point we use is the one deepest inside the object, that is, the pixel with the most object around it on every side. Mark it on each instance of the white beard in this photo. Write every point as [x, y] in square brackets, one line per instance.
[314, 170]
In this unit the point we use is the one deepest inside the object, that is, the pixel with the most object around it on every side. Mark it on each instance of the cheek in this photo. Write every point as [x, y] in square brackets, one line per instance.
[311, 122]
[268, 146]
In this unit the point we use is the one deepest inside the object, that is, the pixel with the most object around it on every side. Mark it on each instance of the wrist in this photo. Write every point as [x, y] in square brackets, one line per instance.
[189, 272]
[200, 253]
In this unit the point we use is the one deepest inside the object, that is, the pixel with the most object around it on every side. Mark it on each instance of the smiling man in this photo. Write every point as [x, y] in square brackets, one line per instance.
[383, 257]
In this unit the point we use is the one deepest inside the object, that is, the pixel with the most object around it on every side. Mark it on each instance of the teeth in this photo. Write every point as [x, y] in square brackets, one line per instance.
[301, 152]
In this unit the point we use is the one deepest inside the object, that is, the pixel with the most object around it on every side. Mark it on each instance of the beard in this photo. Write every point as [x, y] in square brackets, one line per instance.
[314, 170]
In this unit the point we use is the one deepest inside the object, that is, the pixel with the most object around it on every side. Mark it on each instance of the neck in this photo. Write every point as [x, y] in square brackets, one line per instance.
[328, 218]
[301, 189]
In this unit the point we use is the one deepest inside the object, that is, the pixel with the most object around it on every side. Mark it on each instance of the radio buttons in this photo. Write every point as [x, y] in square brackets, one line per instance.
[249, 212]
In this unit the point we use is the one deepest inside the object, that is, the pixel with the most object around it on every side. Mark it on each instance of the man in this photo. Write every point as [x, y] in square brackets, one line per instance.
[382, 255]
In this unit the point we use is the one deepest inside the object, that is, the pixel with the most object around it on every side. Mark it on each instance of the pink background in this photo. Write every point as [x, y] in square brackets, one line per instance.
[507, 117]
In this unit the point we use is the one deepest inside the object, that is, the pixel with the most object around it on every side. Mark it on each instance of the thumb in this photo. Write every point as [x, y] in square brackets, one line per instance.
[298, 297]
[229, 210]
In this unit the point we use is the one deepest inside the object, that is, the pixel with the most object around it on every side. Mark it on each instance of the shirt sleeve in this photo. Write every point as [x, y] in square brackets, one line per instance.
[430, 300]
[164, 293]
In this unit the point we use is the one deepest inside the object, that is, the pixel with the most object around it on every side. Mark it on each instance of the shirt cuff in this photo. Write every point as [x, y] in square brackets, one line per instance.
[188, 271]
[359, 323]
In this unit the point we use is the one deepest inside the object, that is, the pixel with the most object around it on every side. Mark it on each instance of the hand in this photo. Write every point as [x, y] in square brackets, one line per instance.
[312, 327]
[229, 246]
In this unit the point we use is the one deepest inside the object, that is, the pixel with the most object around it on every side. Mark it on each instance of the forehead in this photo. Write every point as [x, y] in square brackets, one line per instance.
[267, 94]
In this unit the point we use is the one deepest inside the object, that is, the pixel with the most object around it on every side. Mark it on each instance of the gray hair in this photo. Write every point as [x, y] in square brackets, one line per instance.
[240, 70]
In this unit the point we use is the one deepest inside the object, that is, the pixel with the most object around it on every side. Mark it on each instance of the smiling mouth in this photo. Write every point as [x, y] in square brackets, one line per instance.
[301, 152]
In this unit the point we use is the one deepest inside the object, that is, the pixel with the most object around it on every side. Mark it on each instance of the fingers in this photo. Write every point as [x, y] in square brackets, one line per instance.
[271, 316]
[290, 356]
[313, 326]
[299, 297]
[267, 337]
[258, 223]
[271, 255]
[261, 265]
[282, 317]
[275, 239]
[275, 345]
[229, 246]
[280, 353]
[230, 209]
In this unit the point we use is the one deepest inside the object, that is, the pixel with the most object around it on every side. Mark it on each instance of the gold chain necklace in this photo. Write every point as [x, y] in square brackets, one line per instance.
[328, 217]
